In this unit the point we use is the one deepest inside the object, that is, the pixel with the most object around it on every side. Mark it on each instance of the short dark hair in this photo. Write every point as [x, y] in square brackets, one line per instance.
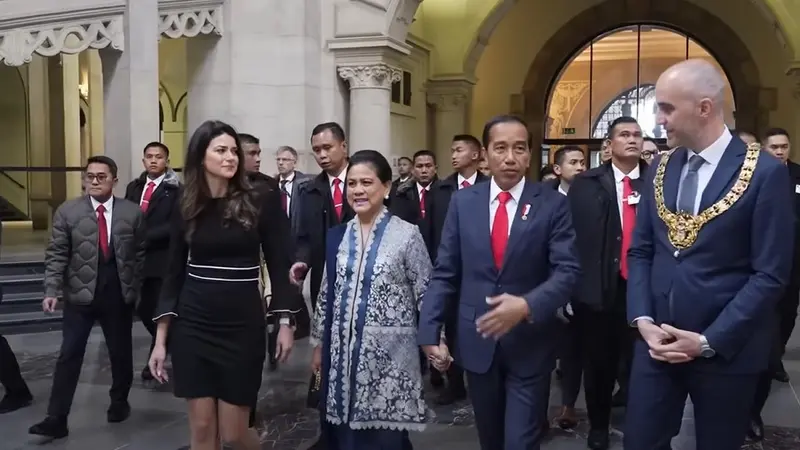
[738, 132]
[561, 153]
[375, 160]
[469, 139]
[336, 130]
[406, 158]
[286, 148]
[618, 121]
[546, 170]
[423, 153]
[102, 159]
[245, 138]
[776, 132]
[156, 144]
[487, 129]
[649, 139]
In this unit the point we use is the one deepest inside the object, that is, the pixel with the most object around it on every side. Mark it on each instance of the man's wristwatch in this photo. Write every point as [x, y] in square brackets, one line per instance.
[705, 350]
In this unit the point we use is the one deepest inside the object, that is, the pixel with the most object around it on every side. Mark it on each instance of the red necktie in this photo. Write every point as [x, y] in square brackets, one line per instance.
[147, 194]
[628, 223]
[285, 196]
[337, 198]
[422, 203]
[102, 231]
[465, 184]
[500, 229]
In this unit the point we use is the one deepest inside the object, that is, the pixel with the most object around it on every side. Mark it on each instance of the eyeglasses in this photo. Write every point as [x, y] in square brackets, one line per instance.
[100, 177]
[284, 159]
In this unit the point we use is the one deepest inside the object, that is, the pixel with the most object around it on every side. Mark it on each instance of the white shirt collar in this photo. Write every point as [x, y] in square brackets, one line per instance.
[340, 177]
[290, 178]
[516, 191]
[421, 188]
[713, 153]
[561, 190]
[156, 181]
[470, 180]
[108, 204]
[618, 175]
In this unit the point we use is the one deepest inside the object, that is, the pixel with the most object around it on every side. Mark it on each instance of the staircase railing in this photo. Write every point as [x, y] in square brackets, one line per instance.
[11, 179]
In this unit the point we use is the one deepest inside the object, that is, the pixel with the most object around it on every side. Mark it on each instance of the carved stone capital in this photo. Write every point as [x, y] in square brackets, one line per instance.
[372, 76]
[794, 73]
[190, 23]
[449, 94]
[18, 45]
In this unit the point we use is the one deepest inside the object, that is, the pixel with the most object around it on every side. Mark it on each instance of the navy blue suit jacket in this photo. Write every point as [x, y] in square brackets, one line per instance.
[726, 285]
[540, 265]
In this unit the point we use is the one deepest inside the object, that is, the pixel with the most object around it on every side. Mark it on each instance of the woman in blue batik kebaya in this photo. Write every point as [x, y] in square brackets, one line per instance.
[365, 326]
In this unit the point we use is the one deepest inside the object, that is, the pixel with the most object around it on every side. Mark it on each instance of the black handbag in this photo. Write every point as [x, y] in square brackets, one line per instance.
[313, 400]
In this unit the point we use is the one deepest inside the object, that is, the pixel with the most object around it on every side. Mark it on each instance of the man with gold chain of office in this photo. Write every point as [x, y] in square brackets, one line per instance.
[710, 257]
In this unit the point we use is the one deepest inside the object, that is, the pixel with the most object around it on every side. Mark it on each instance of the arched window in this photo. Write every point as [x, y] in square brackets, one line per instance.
[639, 103]
[615, 75]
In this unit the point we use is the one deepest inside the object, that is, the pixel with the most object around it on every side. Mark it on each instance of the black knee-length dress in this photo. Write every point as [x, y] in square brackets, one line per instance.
[217, 337]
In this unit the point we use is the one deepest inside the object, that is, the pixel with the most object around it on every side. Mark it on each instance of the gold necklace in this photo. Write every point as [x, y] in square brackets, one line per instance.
[683, 228]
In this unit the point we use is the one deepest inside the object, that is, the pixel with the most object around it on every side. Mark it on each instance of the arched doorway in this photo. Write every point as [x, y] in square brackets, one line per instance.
[614, 75]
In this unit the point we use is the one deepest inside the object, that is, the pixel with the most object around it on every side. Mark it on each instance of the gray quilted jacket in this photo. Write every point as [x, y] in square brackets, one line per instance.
[71, 256]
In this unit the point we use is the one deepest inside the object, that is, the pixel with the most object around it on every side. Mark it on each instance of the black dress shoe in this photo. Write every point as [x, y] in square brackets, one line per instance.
[146, 375]
[598, 440]
[273, 364]
[781, 376]
[118, 412]
[13, 402]
[756, 431]
[437, 380]
[51, 427]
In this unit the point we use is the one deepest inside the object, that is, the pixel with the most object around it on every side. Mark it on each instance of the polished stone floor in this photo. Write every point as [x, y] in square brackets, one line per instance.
[159, 421]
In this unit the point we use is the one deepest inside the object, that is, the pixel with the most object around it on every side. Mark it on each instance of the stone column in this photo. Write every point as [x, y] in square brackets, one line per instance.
[70, 73]
[450, 99]
[370, 106]
[38, 120]
[794, 73]
[130, 86]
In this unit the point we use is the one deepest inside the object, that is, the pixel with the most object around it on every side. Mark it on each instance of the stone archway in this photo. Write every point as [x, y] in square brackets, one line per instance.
[707, 29]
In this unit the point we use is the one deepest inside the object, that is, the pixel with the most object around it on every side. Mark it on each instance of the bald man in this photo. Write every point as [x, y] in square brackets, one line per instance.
[710, 258]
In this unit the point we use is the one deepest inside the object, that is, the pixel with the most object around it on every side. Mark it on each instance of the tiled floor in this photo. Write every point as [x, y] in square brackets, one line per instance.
[159, 420]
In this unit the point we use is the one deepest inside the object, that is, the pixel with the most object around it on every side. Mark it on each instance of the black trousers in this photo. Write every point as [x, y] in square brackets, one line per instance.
[765, 379]
[787, 315]
[151, 290]
[116, 321]
[571, 357]
[607, 339]
[10, 375]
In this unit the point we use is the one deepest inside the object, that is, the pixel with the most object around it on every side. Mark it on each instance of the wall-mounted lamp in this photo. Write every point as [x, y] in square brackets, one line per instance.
[83, 88]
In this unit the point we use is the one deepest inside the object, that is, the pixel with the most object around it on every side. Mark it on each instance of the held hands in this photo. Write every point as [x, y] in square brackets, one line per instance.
[297, 273]
[507, 311]
[439, 356]
[670, 344]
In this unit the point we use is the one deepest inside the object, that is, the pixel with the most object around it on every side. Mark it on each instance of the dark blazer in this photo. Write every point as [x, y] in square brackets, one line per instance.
[598, 233]
[300, 179]
[540, 265]
[262, 181]
[316, 217]
[156, 219]
[726, 285]
[794, 174]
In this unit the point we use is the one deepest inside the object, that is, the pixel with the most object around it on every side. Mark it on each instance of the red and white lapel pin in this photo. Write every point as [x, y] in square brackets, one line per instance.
[525, 210]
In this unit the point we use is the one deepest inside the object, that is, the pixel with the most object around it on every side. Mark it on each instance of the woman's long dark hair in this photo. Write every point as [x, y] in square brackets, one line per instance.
[239, 206]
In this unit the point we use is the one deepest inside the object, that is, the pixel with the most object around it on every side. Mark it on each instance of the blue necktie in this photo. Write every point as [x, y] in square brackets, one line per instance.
[688, 188]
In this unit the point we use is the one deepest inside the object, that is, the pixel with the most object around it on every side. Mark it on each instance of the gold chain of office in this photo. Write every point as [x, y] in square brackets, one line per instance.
[683, 228]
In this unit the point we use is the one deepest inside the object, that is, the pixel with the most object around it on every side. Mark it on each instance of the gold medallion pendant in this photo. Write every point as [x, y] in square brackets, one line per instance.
[683, 228]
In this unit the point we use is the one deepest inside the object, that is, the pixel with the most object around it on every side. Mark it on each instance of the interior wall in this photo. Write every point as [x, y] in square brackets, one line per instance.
[172, 95]
[409, 124]
[14, 129]
[520, 36]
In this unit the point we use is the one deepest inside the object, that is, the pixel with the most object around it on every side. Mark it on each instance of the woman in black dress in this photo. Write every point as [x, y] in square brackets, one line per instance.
[210, 303]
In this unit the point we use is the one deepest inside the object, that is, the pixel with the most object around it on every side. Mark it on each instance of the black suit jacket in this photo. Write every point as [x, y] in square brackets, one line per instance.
[157, 219]
[317, 214]
[596, 217]
[794, 174]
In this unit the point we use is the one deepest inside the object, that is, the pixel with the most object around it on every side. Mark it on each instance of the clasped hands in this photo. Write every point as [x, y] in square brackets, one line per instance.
[669, 344]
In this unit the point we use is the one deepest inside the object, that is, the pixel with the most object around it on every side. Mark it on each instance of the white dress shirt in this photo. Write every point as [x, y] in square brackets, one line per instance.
[109, 205]
[421, 188]
[561, 190]
[620, 186]
[156, 182]
[288, 186]
[342, 177]
[511, 205]
[712, 155]
[470, 180]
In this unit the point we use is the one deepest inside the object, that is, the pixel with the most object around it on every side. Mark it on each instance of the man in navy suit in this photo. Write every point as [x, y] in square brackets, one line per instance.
[710, 258]
[506, 263]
